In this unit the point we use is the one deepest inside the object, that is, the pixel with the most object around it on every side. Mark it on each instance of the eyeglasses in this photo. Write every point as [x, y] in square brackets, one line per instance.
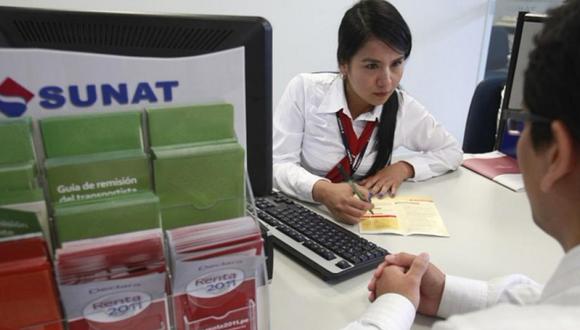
[516, 120]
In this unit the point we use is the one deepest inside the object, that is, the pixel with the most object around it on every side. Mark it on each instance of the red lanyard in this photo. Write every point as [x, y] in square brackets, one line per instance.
[354, 147]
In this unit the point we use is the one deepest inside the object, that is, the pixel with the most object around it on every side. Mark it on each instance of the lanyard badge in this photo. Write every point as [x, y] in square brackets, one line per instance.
[355, 147]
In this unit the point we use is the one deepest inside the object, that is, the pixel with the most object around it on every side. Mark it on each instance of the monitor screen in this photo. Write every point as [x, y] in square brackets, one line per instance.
[523, 45]
[528, 25]
[166, 36]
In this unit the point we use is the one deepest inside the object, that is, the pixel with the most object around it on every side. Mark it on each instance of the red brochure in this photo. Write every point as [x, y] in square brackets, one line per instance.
[114, 282]
[28, 296]
[215, 275]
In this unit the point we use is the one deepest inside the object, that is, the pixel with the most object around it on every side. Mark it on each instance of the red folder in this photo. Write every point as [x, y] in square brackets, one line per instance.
[28, 296]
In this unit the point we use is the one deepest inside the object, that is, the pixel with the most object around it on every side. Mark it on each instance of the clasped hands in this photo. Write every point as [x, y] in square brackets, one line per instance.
[339, 199]
[413, 277]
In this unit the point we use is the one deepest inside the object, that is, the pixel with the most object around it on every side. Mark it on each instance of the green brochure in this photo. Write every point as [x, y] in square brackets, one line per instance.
[18, 184]
[18, 171]
[193, 124]
[103, 175]
[200, 184]
[21, 196]
[16, 137]
[18, 176]
[110, 216]
[198, 165]
[92, 133]
[18, 224]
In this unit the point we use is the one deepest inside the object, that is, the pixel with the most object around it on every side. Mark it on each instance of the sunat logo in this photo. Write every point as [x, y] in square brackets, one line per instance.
[13, 98]
[56, 97]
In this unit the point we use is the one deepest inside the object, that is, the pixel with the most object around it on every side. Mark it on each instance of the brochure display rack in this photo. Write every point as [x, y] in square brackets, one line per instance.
[148, 210]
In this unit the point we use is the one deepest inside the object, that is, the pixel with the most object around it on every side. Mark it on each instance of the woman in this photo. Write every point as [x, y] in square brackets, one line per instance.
[327, 124]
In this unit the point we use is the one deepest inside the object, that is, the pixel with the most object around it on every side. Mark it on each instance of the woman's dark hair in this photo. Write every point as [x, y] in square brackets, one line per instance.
[552, 78]
[381, 20]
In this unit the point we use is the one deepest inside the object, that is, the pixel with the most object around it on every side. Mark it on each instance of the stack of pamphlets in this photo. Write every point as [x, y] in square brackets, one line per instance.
[99, 182]
[114, 282]
[498, 167]
[198, 164]
[28, 297]
[18, 170]
[216, 269]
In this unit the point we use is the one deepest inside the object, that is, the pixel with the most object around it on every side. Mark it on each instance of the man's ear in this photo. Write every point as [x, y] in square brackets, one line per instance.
[561, 155]
[343, 69]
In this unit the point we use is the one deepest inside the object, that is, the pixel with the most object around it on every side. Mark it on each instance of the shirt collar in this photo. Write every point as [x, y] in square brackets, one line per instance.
[335, 99]
[566, 275]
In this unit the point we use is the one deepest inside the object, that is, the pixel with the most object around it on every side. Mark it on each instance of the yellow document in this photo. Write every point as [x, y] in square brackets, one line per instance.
[404, 215]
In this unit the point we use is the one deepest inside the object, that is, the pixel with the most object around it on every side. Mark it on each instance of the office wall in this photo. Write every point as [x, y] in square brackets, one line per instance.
[443, 70]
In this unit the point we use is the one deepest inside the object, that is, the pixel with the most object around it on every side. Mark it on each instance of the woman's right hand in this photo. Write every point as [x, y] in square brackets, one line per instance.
[340, 200]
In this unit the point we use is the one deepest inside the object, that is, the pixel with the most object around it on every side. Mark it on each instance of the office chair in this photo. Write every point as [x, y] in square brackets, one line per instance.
[498, 52]
[481, 124]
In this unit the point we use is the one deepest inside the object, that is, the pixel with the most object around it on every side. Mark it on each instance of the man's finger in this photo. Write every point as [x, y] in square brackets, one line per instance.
[379, 269]
[372, 284]
[419, 266]
[401, 259]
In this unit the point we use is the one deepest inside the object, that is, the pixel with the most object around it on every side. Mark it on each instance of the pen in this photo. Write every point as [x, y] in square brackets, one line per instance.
[353, 186]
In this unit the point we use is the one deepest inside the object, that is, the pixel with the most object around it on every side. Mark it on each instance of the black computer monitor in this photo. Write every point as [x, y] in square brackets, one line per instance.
[528, 25]
[164, 35]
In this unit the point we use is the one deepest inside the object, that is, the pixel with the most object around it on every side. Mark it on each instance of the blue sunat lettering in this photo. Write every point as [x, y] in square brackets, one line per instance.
[167, 86]
[144, 92]
[53, 97]
[120, 94]
[75, 97]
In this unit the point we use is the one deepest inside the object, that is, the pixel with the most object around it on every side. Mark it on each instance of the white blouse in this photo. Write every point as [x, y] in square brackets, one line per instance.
[307, 141]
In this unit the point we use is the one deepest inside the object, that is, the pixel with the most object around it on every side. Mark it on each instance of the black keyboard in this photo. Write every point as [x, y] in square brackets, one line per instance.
[322, 246]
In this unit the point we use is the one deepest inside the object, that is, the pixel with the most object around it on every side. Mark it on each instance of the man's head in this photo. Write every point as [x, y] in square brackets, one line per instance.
[549, 151]
[552, 79]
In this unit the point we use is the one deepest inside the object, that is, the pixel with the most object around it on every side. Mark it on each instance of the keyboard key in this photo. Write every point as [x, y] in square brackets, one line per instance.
[342, 264]
[355, 260]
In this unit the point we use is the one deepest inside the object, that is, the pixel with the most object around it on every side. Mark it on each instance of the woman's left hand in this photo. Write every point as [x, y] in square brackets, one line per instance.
[388, 179]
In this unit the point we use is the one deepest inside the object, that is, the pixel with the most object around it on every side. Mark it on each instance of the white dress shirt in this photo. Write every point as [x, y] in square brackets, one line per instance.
[512, 302]
[307, 141]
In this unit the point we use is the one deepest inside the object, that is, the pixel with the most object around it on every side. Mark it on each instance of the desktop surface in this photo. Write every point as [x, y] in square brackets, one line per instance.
[492, 234]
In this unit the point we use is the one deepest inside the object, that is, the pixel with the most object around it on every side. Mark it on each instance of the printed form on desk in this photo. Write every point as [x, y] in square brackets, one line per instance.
[403, 215]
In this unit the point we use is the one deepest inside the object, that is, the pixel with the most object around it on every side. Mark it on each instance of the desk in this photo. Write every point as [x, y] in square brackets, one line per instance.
[492, 234]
